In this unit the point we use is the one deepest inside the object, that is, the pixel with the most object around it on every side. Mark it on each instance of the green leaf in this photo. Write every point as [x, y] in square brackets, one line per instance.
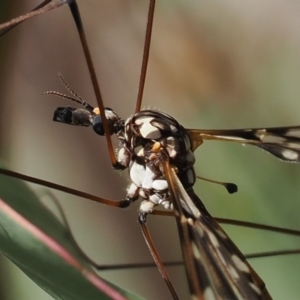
[33, 238]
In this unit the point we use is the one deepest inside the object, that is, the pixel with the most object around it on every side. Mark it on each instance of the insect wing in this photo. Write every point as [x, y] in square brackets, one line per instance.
[215, 267]
[282, 142]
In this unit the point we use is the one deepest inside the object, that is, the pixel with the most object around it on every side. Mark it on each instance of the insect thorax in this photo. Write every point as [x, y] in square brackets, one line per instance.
[149, 137]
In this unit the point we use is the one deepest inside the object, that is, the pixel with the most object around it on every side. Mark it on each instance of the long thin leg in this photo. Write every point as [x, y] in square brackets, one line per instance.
[45, 6]
[64, 189]
[157, 259]
[145, 55]
[10, 27]
[77, 18]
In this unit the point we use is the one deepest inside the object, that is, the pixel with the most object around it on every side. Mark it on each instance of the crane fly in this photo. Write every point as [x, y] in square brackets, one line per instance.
[160, 148]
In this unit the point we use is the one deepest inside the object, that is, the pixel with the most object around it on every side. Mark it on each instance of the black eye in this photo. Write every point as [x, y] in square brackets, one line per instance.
[98, 125]
[63, 115]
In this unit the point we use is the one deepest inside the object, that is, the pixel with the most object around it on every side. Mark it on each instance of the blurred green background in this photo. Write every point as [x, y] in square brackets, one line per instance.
[213, 64]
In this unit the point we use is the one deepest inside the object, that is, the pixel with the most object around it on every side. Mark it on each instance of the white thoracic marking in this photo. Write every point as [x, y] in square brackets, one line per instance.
[139, 151]
[240, 264]
[147, 206]
[255, 288]
[110, 115]
[123, 157]
[149, 176]
[132, 191]
[171, 149]
[172, 152]
[160, 184]
[156, 200]
[147, 130]
[174, 129]
[137, 173]
[145, 178]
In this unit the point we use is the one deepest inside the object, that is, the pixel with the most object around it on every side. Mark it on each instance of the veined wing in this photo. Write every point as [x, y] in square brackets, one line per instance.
[215, 267]
[282, 142]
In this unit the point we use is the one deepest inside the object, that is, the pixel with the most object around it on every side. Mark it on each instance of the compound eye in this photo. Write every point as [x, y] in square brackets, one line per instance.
[63, 115]
[98, 125]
